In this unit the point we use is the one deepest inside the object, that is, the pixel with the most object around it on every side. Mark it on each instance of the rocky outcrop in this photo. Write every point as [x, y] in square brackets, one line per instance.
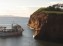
[37, 21]
[48, 26]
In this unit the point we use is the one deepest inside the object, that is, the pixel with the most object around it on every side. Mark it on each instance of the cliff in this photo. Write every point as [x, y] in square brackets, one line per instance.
[47, 25]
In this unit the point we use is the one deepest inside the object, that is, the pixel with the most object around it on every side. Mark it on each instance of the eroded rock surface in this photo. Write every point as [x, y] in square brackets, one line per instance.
[47, 26]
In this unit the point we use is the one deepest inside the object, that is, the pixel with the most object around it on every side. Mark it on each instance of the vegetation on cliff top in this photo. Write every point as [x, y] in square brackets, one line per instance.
[50, 9]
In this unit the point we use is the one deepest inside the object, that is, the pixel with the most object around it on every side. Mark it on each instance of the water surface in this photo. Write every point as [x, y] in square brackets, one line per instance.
[27, 36]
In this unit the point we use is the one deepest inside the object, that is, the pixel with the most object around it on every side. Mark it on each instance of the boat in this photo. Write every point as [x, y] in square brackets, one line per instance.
[15, 30]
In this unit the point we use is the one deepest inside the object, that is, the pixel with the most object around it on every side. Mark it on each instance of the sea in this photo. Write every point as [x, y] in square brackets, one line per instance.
[26, 39]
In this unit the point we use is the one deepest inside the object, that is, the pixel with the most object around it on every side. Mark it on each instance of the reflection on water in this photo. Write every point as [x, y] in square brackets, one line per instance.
[26, 39]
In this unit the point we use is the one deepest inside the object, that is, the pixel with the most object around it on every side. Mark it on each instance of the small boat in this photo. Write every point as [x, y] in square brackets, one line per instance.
[15, 30]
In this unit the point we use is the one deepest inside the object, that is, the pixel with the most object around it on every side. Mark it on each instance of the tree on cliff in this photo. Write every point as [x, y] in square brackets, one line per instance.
[55, 7]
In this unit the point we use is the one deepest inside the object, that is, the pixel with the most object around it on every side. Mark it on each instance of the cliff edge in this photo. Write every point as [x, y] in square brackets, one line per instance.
[47, 25]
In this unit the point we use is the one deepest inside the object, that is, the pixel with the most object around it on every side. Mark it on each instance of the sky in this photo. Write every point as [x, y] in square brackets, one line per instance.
[23, 8]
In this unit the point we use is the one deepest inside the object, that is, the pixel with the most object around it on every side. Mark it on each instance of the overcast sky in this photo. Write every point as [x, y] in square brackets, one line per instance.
[23, 8]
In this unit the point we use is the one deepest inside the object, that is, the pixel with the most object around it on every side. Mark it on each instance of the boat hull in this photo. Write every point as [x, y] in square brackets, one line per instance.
[8, 34]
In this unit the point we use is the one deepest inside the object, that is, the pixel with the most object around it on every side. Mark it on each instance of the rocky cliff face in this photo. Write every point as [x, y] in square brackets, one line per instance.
[37, 21]
[47, 26]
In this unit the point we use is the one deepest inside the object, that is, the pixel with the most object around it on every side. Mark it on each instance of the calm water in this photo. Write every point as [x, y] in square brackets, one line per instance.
[26, 39]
